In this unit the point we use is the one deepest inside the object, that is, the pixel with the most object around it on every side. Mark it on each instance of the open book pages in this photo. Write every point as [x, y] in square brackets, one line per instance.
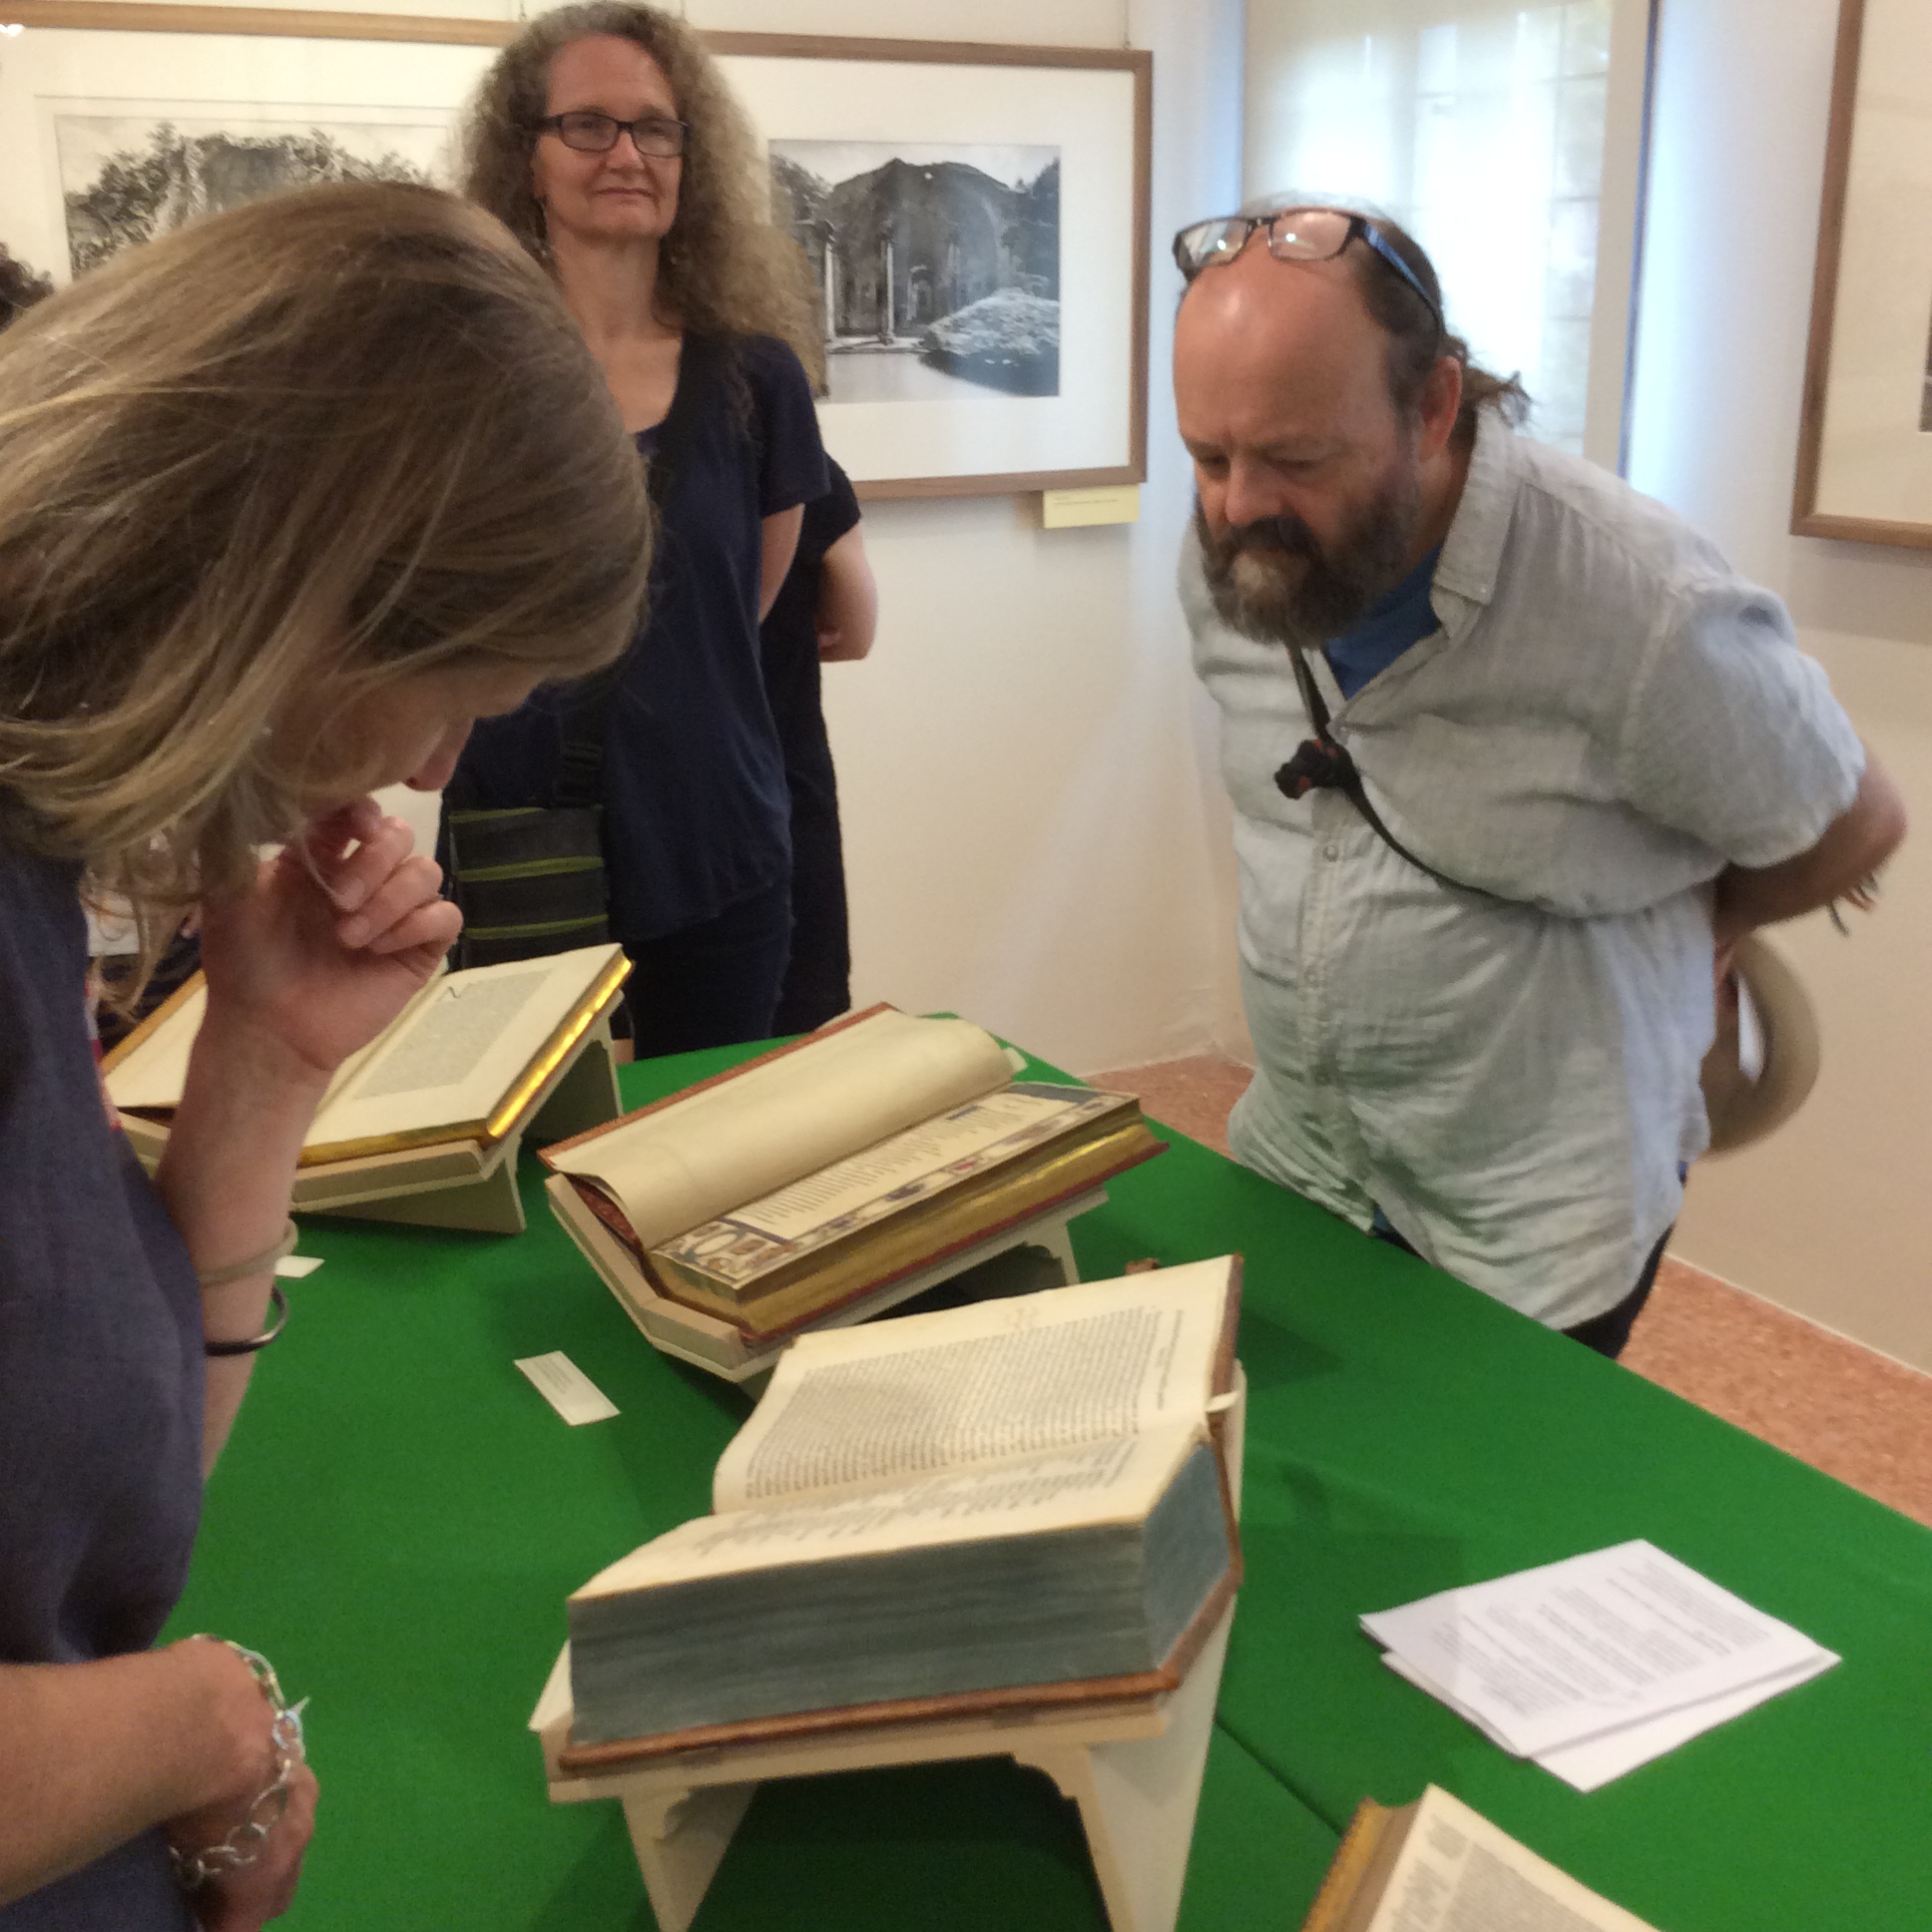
[1437, 1866]
[977, 1385]
[920, 1194]
[855, 1193]
[1118, 1480]
[460, 1061]
[686, 1161]
[994, 1504]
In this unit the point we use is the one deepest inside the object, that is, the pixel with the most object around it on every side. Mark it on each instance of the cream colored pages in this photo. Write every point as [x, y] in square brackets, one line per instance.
[1060, 1489]
[152, 1072]
[458, 1049]
[748, 1137]
[1458, 1873]
[965, 1386]
[155, 1072]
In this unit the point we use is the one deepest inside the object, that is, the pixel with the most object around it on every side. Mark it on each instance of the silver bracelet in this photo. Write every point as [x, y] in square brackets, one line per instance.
[243, 1845]
[221, 1277]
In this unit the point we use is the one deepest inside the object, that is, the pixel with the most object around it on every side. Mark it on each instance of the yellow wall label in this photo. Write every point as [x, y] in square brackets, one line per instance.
[1112, 503]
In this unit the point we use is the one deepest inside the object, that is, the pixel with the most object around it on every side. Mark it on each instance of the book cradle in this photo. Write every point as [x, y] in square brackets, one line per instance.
[1133, 1769]
[450, 1184]
[710, 1343]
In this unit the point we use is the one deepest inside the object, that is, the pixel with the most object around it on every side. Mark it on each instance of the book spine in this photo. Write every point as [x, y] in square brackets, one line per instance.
[1331, 1911]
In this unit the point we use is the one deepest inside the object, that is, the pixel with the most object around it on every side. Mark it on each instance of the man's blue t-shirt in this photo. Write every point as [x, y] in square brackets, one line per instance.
[1404, 616]
[696, 808]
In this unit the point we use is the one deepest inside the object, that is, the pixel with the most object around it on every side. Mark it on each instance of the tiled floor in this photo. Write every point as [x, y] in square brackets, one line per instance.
[1857, 1415]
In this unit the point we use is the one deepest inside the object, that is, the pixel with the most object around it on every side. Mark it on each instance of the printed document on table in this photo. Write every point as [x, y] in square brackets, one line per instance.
[1589, 1765]
[1573, 1649]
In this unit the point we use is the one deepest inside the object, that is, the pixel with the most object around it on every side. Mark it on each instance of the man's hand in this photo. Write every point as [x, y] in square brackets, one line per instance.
[1854, 846]
[337, 933]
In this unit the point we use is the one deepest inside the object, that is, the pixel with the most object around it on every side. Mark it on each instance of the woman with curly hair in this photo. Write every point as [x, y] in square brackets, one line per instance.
[605, 139]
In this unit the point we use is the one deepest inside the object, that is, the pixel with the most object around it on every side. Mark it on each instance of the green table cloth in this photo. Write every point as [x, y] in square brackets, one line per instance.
[399, 1517]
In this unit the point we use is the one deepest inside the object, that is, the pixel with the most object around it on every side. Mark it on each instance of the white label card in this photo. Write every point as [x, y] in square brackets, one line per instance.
[291, 1267]
[567, 1388]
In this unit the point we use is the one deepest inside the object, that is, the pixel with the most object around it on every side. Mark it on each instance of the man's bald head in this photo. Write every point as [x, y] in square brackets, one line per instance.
[1316, 489]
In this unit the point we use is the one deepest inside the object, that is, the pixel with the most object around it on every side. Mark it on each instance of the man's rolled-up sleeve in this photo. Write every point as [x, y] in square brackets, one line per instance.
[1733, 735]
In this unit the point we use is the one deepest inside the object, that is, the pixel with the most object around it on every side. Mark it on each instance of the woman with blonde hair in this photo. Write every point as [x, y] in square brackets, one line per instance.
[605, 139]
[273, 530]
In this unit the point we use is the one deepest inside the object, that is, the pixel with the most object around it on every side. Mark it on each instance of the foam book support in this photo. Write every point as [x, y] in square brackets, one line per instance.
[829, 1178]
[1061, 1425]
[425, 1124]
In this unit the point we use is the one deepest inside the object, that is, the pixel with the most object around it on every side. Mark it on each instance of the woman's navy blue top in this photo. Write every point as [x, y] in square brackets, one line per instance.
[696, 808]
[101, 1370]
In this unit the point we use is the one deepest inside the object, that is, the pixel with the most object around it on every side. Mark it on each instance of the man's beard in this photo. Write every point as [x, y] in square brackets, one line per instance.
[1274, 580]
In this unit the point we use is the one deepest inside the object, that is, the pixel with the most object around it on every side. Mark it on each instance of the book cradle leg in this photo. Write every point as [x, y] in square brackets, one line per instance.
[1055, 1236]
[1137, 1797]
[680, 1838]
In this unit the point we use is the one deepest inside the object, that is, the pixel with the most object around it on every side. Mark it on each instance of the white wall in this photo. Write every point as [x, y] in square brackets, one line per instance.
[1834, 1216]
[1036, 834]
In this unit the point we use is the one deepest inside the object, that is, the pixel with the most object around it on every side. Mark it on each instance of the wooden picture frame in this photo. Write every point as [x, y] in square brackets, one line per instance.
[1864, 462]
[956, 424]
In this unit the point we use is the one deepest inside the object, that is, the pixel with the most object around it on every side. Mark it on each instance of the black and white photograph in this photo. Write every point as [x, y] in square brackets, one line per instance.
[127, 178]
[938, 266]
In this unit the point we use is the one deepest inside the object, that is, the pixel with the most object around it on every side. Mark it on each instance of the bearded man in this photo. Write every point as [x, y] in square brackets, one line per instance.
[1558, 759]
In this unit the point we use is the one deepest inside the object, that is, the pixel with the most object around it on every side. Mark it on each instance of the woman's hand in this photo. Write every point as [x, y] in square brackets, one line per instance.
[246, 1899]
[337, 933]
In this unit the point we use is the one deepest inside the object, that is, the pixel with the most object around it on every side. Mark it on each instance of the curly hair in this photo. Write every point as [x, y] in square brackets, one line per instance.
[726, 267]
[19, 287]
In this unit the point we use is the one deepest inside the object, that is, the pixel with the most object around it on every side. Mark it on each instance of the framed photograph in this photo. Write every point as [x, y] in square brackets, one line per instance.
[976, 217]
[119, 121]
[977, 220]
[1865, 439]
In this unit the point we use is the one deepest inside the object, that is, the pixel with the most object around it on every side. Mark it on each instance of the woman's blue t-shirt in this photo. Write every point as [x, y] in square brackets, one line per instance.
[696, 809]
[100, 1371]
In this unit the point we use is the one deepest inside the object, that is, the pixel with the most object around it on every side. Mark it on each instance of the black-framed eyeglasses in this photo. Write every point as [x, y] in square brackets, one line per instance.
[1294, 234]
[591, 133]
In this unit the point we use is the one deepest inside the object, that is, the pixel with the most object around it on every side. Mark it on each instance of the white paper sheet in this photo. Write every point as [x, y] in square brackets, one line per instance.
[1596, 1760]
[567, 1388]
[1575, 1650]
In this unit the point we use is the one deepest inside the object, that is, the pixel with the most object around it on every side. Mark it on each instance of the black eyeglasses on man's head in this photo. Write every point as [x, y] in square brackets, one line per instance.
[1294, 234]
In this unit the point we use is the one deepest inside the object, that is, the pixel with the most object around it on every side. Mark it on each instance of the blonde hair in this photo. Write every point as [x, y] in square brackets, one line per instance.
[259, 470]
[726, 267]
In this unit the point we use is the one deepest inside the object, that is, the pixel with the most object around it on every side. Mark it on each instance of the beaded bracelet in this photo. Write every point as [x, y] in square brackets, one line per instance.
[243, 1845]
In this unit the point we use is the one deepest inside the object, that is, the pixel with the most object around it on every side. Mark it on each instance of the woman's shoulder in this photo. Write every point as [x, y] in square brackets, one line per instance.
[767, 362]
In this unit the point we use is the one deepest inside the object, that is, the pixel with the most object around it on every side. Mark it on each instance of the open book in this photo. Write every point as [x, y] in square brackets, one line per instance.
[463, 1061]
[1437, 1866]
[814, 1174]
[1007, 1504]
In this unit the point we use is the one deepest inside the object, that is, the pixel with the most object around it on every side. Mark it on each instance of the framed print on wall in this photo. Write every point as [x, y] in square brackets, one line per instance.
[977, 220]
[976, 217]
[1864, 469]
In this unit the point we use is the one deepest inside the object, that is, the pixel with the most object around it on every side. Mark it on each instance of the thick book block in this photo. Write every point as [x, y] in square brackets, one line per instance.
[1131, 1764]
[1011, 1502]
[992, 1613]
